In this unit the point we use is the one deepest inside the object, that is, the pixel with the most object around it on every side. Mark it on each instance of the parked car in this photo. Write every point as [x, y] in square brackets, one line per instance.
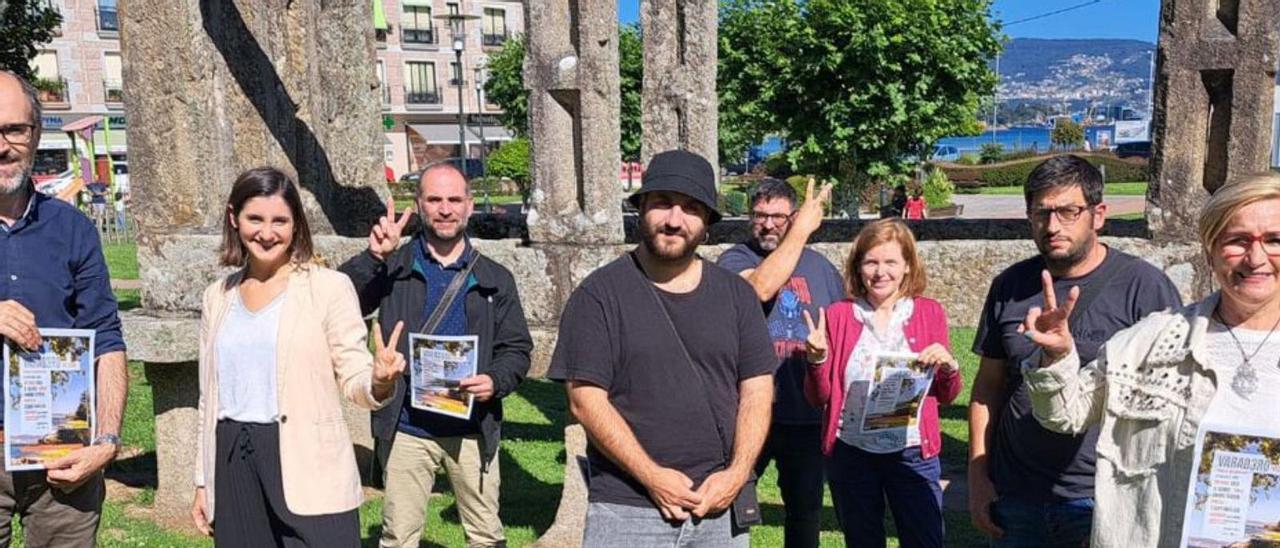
[1136, 149]
[52, 186]
[946, 153]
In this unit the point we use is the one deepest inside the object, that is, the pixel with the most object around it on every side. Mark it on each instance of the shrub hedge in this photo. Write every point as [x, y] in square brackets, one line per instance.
[1015, 173]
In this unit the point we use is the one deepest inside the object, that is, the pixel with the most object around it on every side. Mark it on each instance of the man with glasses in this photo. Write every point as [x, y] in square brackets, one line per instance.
[1029, 486]
[788, 279]
[53, 275]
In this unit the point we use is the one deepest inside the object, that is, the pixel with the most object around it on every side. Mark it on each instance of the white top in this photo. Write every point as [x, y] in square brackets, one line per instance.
[859, 371]
[1230, 408]
[246, 349]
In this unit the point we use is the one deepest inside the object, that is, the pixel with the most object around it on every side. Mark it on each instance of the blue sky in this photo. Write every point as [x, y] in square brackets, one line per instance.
[1134, 19]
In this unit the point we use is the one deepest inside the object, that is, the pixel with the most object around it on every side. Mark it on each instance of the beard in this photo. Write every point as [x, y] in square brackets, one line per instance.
[13, 179]
[1058, 260]
[768, 242]
[671, 253]
[459, 231]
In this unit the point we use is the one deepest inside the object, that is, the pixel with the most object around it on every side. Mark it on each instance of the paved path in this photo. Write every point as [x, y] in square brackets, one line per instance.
[980, 206]
[125, 284]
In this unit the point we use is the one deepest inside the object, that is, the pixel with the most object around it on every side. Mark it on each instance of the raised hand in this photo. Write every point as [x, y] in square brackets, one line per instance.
[809, 216]
[384, 238]
[388, 363]
[1048, 327]
[18, 325]
[816, 343]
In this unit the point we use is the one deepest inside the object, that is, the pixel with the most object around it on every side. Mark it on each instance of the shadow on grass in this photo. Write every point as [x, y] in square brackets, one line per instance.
[138, 471]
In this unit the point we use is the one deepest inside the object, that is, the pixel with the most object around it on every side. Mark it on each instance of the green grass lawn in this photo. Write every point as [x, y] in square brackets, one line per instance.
[122, 260]
[1138, 188]
[532, 465]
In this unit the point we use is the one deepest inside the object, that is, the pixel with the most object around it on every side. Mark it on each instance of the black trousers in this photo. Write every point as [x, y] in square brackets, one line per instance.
[250, 508]
[797, 450]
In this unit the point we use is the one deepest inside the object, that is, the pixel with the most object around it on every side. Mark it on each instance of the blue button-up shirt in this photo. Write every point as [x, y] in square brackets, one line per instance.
[51, 262]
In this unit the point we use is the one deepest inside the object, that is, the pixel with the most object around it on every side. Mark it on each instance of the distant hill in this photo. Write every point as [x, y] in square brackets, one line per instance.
[1075, 73]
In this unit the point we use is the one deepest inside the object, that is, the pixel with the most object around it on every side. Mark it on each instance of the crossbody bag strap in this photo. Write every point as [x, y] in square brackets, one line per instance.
[697, 374]
[450, 293]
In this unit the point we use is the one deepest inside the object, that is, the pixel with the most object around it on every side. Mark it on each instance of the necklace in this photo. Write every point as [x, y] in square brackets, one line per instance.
[1245, 381]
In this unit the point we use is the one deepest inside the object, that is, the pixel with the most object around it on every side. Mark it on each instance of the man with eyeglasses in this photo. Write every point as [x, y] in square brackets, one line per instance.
[788, 279]
[1029, 486]
[53, 275]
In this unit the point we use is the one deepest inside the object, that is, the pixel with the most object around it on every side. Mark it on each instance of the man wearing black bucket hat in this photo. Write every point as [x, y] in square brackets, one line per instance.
[668, 366]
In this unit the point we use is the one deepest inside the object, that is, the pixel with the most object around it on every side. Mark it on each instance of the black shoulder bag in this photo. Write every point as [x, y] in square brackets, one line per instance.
[745, 508]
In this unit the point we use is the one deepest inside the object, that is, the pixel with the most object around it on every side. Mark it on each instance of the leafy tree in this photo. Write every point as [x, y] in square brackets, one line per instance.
[505, 87]
[26, 24]
[855, 85]
[1067, 133]
[511, 160]
[991, 153]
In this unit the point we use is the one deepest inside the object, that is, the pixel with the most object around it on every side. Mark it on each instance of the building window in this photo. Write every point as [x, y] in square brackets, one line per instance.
[494, 27]
[382, 83]
[415, 23]
[420, 86]
[455, 74]
[108, 18]
[49, 83]
[113, 80]
[455, 25]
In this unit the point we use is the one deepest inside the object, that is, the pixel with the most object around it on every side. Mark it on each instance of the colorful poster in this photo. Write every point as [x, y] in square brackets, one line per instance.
[438, 364]
[1234, 496]
[49, 398]
[898, 388]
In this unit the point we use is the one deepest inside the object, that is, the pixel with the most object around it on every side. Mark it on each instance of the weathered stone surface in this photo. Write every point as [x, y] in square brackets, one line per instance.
[571, 71]
[220, 87]
[1214, 90]
[571, 518]
[678, 101]
[175, 393]
[162, 338]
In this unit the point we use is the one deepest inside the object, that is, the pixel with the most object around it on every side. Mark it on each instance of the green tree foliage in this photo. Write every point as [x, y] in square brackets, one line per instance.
[937, 189]
[505, 87]
[1067, 133]
[511, 160]
[855, 85]
[991, 153]
[26, 25]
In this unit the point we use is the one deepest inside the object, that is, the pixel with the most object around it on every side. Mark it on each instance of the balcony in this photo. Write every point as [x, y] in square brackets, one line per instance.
[423, 37]
[113, 92]
[493, 40]
[108, 21]
[456, 82]
[52, 92]
[421, 98]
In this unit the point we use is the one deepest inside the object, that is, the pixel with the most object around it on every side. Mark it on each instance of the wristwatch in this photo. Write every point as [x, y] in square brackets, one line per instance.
[107, 439]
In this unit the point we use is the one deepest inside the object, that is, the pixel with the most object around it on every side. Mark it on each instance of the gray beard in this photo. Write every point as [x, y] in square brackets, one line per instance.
[15, 185]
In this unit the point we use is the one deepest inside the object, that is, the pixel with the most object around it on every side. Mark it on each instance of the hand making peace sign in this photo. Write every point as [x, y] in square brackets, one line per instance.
[1048, 327]
[816, 343]
[388, 364]
[384, 238]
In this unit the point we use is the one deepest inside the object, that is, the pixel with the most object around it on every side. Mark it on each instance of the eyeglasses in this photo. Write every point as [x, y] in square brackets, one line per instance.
[18, 134]
[1066, 214]
[1239, 245]
[777, 218]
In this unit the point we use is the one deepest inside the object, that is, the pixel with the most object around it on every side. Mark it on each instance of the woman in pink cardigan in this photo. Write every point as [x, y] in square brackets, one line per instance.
[867, 463]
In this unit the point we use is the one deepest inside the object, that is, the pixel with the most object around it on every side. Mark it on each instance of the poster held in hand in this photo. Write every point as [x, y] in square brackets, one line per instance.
[49, 399]
[437, 364]
[1234, 495]
[898, 388]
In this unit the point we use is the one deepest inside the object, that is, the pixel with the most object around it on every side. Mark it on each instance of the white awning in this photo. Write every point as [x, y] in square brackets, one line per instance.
[447, 134]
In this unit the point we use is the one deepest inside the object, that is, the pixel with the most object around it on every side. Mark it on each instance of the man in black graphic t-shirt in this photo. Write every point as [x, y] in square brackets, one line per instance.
[668, 366]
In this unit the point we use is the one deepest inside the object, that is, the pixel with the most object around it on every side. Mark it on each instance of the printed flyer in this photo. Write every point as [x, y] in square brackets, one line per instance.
[438, 363]
[898, 387]
[49, 398]
[1234, 496]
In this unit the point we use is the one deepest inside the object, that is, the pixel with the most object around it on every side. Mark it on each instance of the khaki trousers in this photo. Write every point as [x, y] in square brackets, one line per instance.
[50, 517]
[410, 475]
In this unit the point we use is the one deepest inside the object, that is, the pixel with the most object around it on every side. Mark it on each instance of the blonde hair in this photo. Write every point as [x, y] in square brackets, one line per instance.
[1230, 199]
[881, 232]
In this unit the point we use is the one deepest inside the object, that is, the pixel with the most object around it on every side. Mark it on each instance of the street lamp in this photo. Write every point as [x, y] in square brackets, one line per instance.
[480, 109]
[457, 22]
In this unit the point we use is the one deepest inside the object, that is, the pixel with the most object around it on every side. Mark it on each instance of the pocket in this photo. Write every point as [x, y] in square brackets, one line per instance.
[1135, 437]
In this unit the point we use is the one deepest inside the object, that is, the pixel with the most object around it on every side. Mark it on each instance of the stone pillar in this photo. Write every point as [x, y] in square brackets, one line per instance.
[571, 71]
[1214, 89]
[679, 103]
[217, 87]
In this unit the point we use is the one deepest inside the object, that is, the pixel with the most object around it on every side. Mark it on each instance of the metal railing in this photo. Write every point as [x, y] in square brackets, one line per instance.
[418, 36]
[488, 39]
[113, 91]
[455, 82]
[421, 97]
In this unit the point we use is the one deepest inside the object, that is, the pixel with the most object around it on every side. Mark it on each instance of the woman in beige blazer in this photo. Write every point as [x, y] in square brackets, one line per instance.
[282, 341]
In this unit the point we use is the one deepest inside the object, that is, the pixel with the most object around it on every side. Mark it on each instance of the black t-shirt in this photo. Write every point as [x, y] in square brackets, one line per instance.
[613, 335]
[814, 284]
[1027, 461]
